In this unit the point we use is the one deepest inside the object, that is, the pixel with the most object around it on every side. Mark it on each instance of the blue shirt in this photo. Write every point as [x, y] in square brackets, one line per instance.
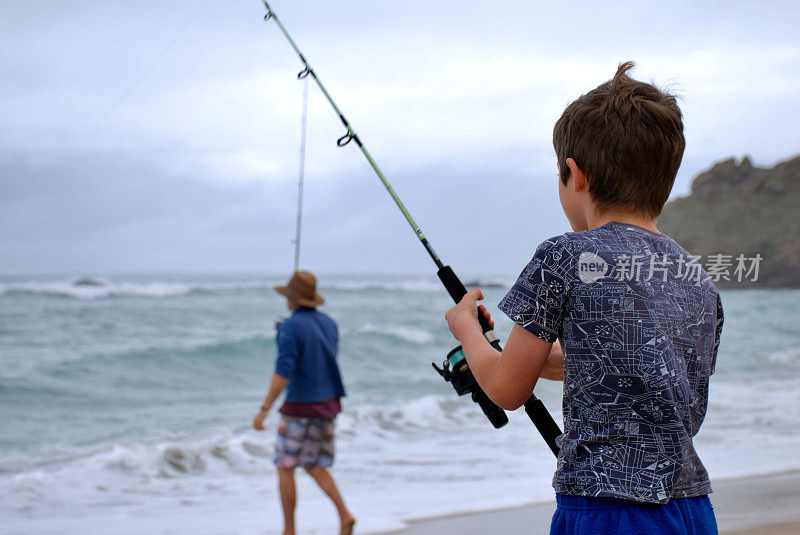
[639, 323]
[307, 357]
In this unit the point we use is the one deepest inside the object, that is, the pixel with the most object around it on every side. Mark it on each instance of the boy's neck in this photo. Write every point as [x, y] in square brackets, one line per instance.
[599, 219]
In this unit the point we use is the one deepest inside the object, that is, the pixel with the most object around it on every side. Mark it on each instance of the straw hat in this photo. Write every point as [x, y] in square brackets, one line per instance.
[302, 287]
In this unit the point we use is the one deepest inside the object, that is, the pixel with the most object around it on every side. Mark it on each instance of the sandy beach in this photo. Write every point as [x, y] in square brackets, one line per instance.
[759, 505]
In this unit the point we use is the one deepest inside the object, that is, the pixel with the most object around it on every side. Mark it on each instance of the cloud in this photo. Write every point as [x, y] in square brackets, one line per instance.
[165, 135]
[120, 211]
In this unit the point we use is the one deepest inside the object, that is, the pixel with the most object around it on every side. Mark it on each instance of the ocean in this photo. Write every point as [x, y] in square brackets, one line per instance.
[126, 405]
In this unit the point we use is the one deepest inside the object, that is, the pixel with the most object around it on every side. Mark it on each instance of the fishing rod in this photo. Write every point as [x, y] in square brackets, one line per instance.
[299, 228]
[454, 369]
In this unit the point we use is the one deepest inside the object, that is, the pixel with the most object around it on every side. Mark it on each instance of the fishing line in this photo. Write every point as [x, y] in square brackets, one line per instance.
[454, 369]
[139, 78]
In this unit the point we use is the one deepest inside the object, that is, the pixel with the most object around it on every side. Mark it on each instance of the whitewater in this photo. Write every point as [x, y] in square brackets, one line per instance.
[126, 402]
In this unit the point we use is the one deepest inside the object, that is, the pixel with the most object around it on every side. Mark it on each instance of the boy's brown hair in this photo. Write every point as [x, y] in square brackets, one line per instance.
[627, 136]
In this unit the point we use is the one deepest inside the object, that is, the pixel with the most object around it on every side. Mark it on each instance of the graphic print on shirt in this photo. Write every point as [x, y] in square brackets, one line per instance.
[640, 341]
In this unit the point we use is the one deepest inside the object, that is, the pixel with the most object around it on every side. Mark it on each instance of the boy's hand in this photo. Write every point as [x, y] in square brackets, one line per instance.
[464, 316]
[258, 421]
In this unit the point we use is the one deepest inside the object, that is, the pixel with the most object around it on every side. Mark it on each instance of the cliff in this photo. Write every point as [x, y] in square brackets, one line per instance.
[741, 209]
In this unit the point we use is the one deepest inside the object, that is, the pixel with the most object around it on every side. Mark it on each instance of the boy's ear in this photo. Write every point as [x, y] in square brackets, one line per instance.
[578, 176]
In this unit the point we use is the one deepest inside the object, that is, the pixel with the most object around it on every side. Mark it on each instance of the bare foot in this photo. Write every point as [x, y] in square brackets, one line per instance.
[347, 526]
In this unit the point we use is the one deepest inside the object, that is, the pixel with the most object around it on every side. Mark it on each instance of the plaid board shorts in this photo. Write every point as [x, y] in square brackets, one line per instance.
[305, 442]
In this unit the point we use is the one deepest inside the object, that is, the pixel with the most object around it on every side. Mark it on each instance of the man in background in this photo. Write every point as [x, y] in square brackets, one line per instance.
[306, 368]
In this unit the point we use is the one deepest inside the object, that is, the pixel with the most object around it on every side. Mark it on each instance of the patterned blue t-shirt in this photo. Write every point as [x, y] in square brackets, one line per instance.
[639, 321]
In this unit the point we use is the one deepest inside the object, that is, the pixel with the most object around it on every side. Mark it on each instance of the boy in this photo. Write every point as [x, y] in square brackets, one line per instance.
[623, 315]
[306, 366]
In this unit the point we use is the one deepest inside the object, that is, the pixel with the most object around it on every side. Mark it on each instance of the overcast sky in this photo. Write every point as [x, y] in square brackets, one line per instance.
[164, 135]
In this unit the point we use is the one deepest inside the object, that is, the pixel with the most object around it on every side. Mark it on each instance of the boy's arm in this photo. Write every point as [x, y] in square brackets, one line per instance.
[507, 378]
[554, 367]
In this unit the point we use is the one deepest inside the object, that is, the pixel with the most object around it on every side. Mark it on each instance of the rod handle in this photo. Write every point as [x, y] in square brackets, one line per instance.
[541, 418]
[534, 407]
[457, 291]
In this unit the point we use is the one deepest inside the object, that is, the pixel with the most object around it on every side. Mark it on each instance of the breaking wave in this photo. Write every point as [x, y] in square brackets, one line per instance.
[402, 333]
[102, 288]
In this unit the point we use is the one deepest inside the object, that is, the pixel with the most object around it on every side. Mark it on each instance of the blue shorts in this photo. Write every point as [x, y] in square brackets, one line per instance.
[581, 515]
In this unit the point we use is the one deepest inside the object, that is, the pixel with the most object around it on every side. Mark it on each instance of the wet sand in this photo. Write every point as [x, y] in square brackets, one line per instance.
[758, 505]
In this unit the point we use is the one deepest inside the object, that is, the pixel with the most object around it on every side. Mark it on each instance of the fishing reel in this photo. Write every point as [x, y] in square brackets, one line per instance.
[455, 371]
